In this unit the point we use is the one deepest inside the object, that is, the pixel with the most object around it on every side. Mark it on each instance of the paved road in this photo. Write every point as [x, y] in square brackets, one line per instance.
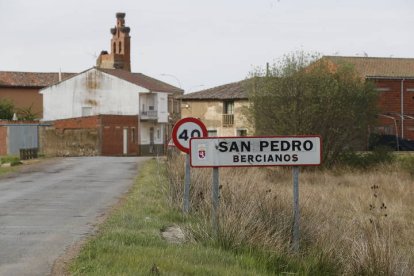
[47, 209]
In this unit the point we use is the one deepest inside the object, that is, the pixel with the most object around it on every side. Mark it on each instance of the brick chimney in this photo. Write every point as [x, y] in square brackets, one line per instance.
[120, 56]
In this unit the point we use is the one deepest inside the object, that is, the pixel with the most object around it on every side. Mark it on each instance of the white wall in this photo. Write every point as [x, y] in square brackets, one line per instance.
[162, 100]
[103, 93]
[145, 133]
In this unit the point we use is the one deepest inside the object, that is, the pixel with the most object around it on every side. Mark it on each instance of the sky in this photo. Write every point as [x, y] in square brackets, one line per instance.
[196, 44]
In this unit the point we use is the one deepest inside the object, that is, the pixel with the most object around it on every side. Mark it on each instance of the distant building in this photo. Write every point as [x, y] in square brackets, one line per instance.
[120, 56]
[22, 88]
[112, 89]
[394, 80]
[222, 109]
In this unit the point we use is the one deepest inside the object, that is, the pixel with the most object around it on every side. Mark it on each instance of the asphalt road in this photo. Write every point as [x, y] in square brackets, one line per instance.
[51, 206]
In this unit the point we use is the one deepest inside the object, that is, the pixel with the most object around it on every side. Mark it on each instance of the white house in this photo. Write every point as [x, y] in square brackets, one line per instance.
[111, 88]
[99, 91]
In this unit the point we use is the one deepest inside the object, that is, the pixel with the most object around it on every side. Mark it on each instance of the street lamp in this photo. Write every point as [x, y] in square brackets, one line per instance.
[169, 75]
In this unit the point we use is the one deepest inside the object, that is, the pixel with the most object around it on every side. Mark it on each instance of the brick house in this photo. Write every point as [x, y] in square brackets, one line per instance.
[222, 109]
[22, 88]
[393, 77]
[394, 80]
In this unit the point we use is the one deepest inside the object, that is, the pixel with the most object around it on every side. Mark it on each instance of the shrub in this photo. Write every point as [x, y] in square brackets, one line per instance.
[364, 160]
[13, 160]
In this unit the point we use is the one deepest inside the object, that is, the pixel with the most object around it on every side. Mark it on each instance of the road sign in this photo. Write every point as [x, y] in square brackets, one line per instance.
[255, 151]
[185, 129]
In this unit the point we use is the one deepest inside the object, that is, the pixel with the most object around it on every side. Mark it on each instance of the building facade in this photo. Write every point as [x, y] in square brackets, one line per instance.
[394, 81]
[112, 89]
[222, 109]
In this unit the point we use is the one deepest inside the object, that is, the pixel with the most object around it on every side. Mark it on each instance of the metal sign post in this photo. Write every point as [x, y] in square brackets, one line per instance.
[183, 131]
[296, 214]
[187, 180]
[215, 200]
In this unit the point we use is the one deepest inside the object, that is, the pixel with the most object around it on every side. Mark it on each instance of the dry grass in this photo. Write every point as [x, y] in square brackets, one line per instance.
[359, 222]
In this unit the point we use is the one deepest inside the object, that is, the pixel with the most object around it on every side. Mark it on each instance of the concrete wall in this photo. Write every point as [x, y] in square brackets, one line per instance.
[211, 113]
[92, 91]
[73, 137]
[89, 136]
[69, 142]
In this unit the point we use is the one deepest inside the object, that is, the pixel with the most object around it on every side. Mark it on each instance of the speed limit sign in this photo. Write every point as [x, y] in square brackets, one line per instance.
[185, 129]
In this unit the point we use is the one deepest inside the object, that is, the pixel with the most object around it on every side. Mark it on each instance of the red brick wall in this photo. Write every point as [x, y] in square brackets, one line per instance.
[390, 104]
[3, 140]
[112, 134]
[77, 123]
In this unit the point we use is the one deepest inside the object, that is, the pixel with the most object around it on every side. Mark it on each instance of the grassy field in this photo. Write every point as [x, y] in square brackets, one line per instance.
[130, 242]
[353, 222]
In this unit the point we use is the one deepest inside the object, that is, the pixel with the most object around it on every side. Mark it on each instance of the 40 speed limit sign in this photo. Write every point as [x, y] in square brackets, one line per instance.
[185, 129]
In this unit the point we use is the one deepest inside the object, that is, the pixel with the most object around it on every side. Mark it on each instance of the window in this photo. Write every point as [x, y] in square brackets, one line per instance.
[242, 132]
[119, 47]
[212, 133]
[86, 111]
[114, 50]
[158, 134]
[228, 107]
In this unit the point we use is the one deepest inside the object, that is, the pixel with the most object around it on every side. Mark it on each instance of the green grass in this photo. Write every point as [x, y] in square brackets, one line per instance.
[6, 170]
[129, 242]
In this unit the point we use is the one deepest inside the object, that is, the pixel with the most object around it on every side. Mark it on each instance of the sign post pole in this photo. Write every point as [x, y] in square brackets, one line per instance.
[187, 181]
[215, 201]
[296, 214]
[183, 131]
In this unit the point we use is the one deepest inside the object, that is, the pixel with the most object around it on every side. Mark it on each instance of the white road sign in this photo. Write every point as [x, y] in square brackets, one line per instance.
[255, 151]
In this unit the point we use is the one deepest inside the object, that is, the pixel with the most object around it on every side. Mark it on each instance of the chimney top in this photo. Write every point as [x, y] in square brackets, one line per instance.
[120, 15]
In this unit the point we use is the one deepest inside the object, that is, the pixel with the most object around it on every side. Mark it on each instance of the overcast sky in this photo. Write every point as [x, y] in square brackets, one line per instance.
[199, 44]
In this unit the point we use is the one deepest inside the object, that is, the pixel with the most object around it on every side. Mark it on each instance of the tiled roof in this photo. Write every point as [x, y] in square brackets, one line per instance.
[230, 91]
[378, 66]
[142, 80]
[30, 79]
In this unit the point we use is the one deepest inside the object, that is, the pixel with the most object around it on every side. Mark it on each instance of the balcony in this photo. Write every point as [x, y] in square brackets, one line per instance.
[149, 115]
[228, 120]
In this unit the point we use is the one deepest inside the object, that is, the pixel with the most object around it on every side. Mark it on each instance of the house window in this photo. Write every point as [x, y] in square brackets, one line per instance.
[229, 107]
[158, 134]
[241, 132]
[119, 47]
[86, 111]
[114, 47]
[212, 132]
[228, 114]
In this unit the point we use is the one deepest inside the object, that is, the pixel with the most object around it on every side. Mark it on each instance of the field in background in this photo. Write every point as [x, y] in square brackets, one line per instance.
[353, 221]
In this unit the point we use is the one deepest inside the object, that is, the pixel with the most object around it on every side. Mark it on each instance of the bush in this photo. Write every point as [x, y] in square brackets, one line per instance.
[364, 160]
[13, 160]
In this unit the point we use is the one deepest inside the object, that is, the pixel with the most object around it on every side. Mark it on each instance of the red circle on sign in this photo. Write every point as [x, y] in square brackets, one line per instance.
[182, 124]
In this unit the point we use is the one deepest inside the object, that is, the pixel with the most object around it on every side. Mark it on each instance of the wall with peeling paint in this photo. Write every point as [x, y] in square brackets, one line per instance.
[91, 93]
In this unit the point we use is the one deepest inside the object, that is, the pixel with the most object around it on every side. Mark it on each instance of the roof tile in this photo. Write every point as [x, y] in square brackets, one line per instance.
[378, 66]
[230, 91]
[30, 79]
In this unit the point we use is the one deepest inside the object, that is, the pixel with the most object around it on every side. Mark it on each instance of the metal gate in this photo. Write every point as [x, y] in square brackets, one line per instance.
[22, 137]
